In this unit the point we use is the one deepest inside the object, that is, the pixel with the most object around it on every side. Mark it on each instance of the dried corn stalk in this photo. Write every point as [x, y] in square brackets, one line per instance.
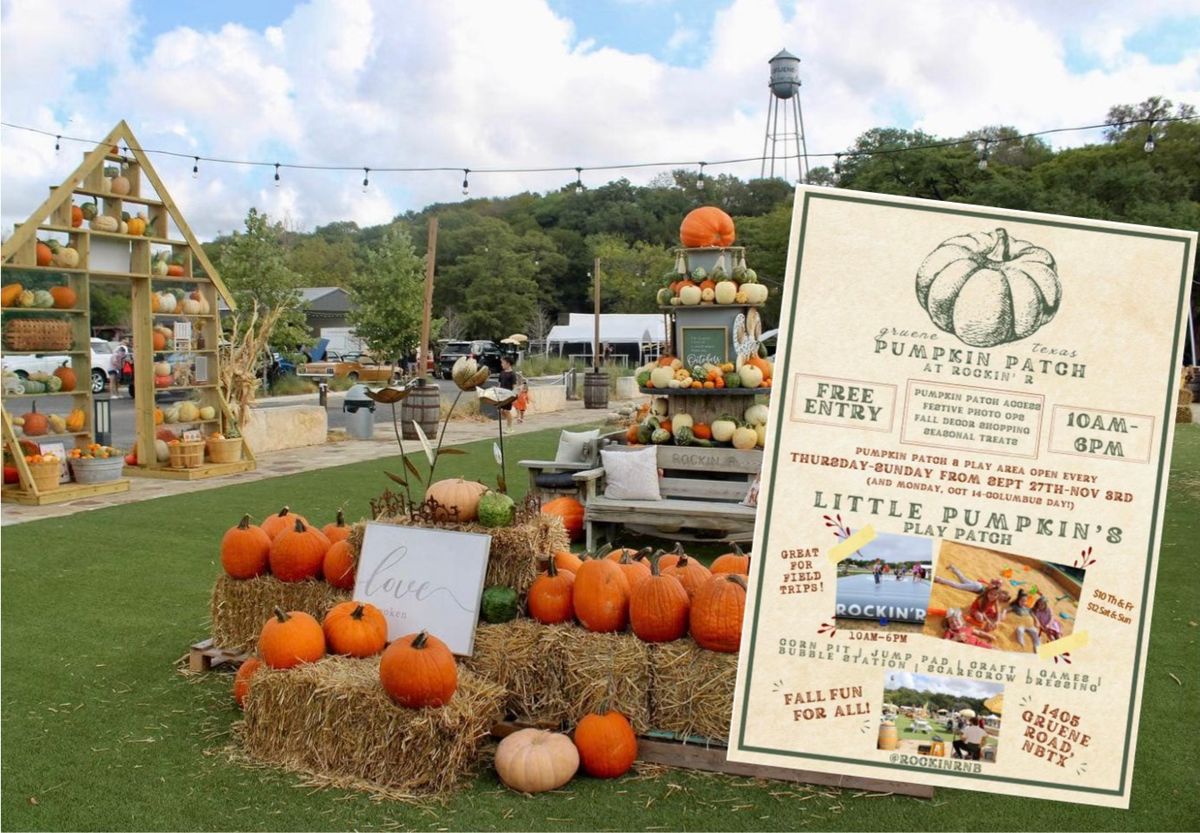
[241, 358]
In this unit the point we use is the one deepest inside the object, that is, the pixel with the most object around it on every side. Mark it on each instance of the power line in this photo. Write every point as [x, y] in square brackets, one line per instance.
[578, 169]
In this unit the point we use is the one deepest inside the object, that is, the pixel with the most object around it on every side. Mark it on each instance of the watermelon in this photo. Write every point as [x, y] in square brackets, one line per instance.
[499, 604]
[496, 509]
[733, 380]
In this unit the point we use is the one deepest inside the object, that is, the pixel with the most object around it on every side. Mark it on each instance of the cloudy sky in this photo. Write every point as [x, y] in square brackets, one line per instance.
[534, 83]
[942, 685]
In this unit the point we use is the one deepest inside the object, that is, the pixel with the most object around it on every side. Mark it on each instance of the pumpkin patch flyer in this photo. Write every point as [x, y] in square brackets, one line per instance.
[962, 496]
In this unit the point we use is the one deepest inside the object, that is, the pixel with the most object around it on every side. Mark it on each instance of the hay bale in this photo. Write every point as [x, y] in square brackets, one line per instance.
[239, 608]
[333, 720]
[691, 690]
[1183, 413]
[511, 655]
[591, 668]
[515, 550]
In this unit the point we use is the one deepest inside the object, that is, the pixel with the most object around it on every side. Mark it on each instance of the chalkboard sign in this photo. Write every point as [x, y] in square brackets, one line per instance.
[704, 344]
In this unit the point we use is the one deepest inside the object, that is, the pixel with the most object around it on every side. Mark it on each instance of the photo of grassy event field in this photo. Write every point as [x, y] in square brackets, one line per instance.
[963, 572]
[930, 714]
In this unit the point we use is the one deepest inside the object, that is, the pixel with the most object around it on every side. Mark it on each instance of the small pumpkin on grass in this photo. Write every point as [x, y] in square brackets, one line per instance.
[299, 553]
[658, 607]
[534, 760]
[549, 599]
[283, 519]
[245, 549]
[337, 531]
[340, 565]
[241, 680]
[356, 629]
[601, 596]
[288, 639]
[606, 743]
[716, 615]
[418, 671]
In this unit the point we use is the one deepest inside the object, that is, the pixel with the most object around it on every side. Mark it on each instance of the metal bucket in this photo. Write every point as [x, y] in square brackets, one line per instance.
[595, 389]
[423, 406]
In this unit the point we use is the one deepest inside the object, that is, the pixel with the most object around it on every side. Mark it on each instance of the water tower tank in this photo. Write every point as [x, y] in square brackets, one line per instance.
[785, 74]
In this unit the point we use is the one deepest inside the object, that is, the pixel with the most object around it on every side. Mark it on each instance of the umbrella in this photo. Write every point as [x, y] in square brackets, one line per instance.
[969, 714]
[995, 705]
[517, 338]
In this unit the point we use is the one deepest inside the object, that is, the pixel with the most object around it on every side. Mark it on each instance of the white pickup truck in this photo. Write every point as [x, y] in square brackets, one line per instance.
[102, 351]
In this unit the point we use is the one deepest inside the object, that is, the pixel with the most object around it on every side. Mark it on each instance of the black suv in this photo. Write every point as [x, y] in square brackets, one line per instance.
[484, 352]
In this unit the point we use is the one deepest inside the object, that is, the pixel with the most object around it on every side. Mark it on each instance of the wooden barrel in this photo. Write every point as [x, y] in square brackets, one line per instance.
[424, 406]
[888, 739]
[595, 389]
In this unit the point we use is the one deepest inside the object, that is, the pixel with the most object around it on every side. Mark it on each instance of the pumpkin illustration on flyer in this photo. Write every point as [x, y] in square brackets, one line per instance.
[961, 497]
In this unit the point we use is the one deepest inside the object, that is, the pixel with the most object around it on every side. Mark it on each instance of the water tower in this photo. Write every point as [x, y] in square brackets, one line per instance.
[779, 142]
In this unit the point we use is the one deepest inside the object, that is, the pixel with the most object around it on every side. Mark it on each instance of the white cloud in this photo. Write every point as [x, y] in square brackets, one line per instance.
[475, 84]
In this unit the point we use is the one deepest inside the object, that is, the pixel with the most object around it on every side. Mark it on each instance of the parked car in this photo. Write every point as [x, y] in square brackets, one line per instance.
[363, 370]
[323, 368]
[484, 352]
[101, 360]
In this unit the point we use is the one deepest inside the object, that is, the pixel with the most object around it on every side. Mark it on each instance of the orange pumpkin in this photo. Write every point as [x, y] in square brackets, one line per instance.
[570, 511]
[298, 554]
[35, 424]
[288, 639]
[716, 615]
[690, 572]
[658, 607]
[706, 226]
[762, 364]
[44, 255]
[66, 375]
[10, 294]
[159, 340]
[701, 431]
[64, 297]
[241, 681]
[635, 568]
[244, 550]
[76, 216]
[158, 416]
[606, 743]
[601, 596]
[277, 523]
[568, 561]
[356, 629]
[340, 565]
[631, 434]
[337, 531]
[418, 670]
[732, 562]
[666, 361]
[671, 558]
[550, 596]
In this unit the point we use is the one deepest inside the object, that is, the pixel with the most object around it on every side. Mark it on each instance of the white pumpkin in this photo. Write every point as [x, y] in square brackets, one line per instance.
[659, 406]
[188, 412]
[761, 430]
[751, 376]
[707, 295]
[744, 438]
[166, 302]
[161, 451]
[208, 412]
[681, 421]
[725, 292]
[723, 428]
[171, 415]
[690, 296]
[661, 377]
[534, 760]
[162, 368]
[756, 293]
[190, 307]
[756, 415]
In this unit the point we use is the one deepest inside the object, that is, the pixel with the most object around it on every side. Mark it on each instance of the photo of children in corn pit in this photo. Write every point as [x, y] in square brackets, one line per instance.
[1001, 601]
[885, 584]
[940, 716]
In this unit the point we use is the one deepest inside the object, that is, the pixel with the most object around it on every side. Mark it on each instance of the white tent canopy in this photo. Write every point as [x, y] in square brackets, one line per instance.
[614, 329]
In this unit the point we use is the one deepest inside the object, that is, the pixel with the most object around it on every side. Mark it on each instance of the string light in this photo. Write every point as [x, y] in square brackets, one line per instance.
[366, 179]
[983, 155]
[196, 167]
[700, 179]
[837, 167]
[466, 184]
[1149, 146]
[57, 143]
[579, 180]
[276, 174]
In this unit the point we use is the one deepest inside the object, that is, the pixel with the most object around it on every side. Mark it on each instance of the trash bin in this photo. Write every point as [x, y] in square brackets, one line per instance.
[360, 413]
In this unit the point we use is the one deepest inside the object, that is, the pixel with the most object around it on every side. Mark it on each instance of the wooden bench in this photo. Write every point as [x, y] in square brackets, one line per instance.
[702, 490]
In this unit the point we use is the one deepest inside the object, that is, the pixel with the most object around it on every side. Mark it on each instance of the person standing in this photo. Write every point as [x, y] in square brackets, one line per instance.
[523, 400]
[508, 381]
[970, 740]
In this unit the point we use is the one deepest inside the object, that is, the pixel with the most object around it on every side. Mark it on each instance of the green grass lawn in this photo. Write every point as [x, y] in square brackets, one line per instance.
[101, 733]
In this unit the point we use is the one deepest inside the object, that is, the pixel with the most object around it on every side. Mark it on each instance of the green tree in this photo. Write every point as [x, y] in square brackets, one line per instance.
[319, 262]
[630, 274]
[110, 306]
[253, 265]
[387, 295]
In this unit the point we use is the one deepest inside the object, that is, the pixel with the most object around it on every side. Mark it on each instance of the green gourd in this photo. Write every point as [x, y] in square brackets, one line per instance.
[496, 509]
[499, 604]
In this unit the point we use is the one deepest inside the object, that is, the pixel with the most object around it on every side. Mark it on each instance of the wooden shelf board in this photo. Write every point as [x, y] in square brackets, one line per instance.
[173, 425]
[87, 192]
[709, 305]
[183, 315]
[44, 310]
[44, 269]
[41, 438]
[41, 395]
[95, 273]
[65, 492]
[706, 391]
[178, 279]
[205, 471]
[8, 352]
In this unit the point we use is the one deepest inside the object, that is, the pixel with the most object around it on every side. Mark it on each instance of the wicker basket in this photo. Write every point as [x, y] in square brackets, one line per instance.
[45, 475]
[97, 469]
[224, 449]
[37, 334]
[187, 454]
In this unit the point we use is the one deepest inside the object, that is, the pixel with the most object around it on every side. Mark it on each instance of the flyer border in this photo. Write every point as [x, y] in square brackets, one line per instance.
[1137, 677]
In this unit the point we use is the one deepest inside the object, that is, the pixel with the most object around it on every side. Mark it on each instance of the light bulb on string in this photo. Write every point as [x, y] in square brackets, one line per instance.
[276, 174]
[466, 185]
[195, 167]
[579, 180]
[366, 179]
[1149, 146]
[837, 167]
[983, 156]
[700, 178]
[57, 143]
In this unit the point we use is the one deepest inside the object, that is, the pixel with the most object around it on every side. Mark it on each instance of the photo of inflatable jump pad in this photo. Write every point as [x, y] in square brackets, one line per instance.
[1001, 601]
[885, 584]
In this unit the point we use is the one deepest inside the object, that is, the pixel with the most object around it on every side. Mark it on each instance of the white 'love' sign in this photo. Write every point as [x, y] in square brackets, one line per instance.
[424, 579]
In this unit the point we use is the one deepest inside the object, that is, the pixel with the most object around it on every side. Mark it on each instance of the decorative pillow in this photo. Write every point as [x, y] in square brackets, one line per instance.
[751, 498]
[631, 475]
[573, 446]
